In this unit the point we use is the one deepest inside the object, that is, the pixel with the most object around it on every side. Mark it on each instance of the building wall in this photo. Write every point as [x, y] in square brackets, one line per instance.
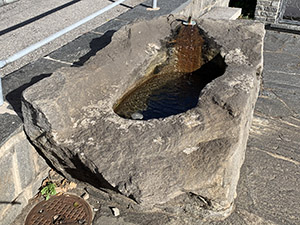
[22, 170]
[267, 10]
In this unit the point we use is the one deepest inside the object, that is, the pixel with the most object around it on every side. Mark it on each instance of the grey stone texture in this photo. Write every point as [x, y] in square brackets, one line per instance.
[9, 124]
[223, 13]
[15, 83]
[197, 8]
[22, 171]
[190, 160]
[25, 161]
[7, 186]
[267, 10]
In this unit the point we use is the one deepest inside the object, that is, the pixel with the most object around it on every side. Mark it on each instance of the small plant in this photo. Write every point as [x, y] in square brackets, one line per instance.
[48, 190]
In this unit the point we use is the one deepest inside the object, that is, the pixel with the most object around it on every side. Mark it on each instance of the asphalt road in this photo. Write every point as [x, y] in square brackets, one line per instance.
[26, 22]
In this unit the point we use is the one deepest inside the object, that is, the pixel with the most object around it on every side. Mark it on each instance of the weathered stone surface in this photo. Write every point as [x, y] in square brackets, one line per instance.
[9, 123]
[187, 164]
[197, 8]
[223, 13]
[22, 171]
[267, 10]
[7, 179]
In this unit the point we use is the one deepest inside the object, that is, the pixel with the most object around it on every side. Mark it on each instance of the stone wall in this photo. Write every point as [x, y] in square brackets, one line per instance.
[21, 173]
[197, 8]
[267, 10]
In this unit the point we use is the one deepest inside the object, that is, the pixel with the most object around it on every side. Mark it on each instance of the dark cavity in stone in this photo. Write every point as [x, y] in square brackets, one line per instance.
[174, 87]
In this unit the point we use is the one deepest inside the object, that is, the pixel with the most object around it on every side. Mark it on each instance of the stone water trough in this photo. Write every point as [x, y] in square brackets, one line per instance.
[186, 161]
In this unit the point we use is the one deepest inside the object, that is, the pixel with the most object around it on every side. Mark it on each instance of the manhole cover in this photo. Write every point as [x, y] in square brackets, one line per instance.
[64, 209]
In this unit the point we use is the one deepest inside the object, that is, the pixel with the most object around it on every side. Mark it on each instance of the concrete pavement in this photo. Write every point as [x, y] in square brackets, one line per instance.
[26, 22]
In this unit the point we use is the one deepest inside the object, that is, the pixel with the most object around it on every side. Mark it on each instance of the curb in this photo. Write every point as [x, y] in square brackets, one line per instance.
[5, 2]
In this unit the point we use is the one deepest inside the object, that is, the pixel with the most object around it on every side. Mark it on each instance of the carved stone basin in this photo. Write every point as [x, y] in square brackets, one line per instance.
[184, 163]
[189, 62]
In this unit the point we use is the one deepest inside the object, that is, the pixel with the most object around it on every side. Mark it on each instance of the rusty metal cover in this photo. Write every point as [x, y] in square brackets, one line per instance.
[64, 209]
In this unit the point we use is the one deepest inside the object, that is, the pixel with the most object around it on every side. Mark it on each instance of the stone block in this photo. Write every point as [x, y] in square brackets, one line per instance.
[25, 161]
[13, 210]
[15, 83]
[271, 20]
[260, 7]
[275, 3]
[223, 13]
[39, 161]
[274, 9]
[264, 3]
[257, 13]
[7, 185]
[186, 163]
[267, 14]
[260, 18]
[199, 7]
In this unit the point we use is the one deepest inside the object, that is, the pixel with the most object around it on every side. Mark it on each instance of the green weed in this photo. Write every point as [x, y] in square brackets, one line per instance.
[48, 190]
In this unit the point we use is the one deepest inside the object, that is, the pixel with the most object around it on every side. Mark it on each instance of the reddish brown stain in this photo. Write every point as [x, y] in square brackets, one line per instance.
[188, 46]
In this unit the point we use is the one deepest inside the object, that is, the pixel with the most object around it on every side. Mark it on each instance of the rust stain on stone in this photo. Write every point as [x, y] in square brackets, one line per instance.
[188, 46]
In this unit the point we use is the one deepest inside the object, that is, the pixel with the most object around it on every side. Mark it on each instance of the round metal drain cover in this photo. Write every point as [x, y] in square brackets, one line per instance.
[64, 209]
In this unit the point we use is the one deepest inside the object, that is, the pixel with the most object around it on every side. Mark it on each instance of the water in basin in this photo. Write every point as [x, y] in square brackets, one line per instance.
[175, 86]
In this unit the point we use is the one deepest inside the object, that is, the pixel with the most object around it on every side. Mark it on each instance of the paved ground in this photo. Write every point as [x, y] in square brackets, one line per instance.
[26, 22]
[269, 186]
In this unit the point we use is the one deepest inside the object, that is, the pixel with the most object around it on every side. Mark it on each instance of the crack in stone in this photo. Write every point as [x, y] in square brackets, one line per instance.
[290, 124]
[57, 60]
[286, 53]
[277, 156]
[277, 98]
[283, 72]
[283, 102]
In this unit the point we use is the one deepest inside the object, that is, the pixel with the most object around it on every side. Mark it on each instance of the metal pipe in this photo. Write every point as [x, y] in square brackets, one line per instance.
[39, 44]
[154, 4]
